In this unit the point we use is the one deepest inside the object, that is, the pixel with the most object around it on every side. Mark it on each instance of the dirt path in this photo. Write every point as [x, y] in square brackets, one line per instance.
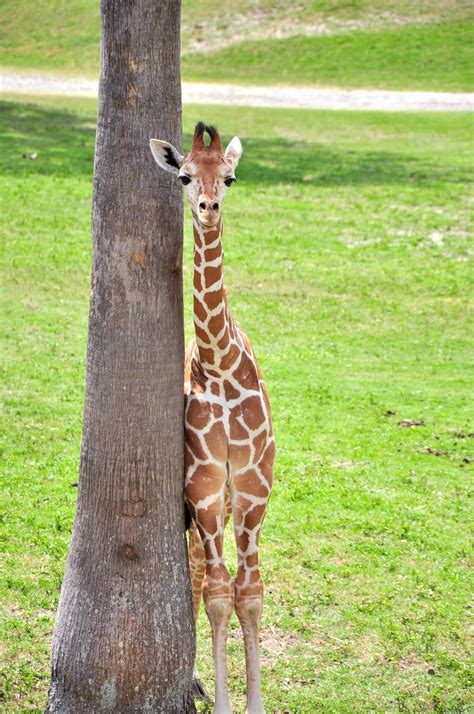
[290, 97]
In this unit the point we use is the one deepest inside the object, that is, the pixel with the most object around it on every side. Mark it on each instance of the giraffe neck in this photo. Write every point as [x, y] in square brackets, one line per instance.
[213, 323]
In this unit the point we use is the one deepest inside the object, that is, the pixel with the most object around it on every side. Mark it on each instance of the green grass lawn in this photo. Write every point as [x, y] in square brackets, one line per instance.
[393, 44]
[356, 292]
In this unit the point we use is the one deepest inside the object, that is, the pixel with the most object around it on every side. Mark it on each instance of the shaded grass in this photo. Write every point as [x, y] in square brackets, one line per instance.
[348, 262]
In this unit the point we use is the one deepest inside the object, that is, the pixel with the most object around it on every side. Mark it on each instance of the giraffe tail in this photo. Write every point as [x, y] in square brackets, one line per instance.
[197, 688]
[187, 516]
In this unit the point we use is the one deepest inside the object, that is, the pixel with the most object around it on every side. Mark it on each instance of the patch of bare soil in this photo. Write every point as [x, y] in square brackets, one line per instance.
[435, 452]
[411, 422]
[411, 661]
[217, 34]
[274, 643]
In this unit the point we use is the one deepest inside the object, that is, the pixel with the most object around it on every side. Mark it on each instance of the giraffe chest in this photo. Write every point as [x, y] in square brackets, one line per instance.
[227, 422]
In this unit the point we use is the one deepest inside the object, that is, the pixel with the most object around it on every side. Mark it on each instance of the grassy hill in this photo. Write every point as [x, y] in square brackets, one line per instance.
[435, 56]
[358, 43]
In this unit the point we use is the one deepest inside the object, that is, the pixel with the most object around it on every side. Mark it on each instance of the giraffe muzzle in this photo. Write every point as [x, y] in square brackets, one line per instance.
[208, 211]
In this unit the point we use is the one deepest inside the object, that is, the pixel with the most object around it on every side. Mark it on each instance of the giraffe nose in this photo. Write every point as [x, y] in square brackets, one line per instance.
[207, 204]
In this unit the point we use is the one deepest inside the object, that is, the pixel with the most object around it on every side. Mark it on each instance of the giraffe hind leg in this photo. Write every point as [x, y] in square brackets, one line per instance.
[197, 566]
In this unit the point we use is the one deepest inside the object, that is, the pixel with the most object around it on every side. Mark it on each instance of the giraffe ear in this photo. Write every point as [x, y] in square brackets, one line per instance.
[234, 152]
[166, 155]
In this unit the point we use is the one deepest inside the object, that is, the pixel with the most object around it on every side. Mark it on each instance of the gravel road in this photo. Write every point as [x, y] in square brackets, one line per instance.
[290, 97]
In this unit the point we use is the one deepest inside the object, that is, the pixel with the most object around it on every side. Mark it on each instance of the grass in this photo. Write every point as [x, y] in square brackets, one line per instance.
[429, 57]
[349, 263]
[371, 43]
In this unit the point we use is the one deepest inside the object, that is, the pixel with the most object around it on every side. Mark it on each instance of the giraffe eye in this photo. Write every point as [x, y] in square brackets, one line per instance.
[184, 179]
[229, 180]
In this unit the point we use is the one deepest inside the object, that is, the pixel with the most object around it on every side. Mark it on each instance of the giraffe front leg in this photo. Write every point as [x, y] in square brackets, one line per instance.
[205, 493]
[249, 611]
[250, 493]
[219, 610]
[248, 606]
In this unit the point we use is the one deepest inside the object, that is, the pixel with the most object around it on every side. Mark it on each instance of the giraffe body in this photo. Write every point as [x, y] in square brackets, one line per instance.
[228, 431]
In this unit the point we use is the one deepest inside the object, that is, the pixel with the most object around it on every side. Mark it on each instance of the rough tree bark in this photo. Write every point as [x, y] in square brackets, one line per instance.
[124, 634]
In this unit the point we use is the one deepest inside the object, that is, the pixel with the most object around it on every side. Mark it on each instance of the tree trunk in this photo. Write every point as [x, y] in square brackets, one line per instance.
[124, 635]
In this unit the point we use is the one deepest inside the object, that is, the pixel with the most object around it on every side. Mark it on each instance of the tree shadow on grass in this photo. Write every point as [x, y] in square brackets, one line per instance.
[288, 162]
[64, 142]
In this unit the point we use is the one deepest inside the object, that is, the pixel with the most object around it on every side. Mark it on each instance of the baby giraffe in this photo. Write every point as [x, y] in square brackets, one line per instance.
[229, 438]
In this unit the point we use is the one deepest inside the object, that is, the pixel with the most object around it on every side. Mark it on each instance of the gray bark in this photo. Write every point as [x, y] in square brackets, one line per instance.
[124, 634]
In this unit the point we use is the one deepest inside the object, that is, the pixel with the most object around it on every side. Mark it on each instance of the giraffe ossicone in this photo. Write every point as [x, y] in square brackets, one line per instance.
[229, 439]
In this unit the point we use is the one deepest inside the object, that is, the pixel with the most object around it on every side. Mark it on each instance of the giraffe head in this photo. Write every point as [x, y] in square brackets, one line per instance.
[206, 171]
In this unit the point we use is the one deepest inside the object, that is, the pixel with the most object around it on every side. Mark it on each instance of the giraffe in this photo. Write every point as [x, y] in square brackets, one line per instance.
[228, 430]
